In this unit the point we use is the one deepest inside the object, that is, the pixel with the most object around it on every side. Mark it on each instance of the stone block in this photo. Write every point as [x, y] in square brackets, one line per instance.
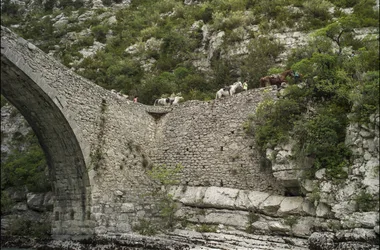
[127, 208]
[320, 174]
[364, 219]
[255, 199]
[271, 204]
[193, 195]
[323, 210]
[303, 226]
[308, 208]
[290, 205]
[220, 197]
[260, 226]
[20, 206]
[277, 226]
[236, 219]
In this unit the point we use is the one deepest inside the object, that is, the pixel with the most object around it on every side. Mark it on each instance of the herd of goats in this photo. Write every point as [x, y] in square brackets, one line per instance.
[277, 79]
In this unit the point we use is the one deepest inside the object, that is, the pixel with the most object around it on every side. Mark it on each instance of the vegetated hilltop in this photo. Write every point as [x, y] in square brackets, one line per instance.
[155, 48]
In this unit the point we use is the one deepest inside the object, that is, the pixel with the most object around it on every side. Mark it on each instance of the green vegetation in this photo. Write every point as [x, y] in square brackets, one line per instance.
[366, 202]
[25, 167]
[3, 101]
[163, 210]
[22, 227]
[252, 218]
[204, 228]
[168, 35]
[315, 115]
[290, 221]
[6, 202]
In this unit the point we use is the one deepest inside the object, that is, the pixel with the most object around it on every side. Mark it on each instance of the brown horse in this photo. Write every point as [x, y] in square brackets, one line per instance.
[275, 80]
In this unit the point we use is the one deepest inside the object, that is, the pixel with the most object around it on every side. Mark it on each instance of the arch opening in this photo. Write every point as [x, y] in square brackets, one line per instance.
[67, 167]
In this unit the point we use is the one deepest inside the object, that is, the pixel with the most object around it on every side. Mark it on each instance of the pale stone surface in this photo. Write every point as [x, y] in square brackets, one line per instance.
[260, 226]
[255, 199]
[127, 207]
[320, 174]
[236, 219]
[308, 208]
[35, 201]
[223, 198]
[290, 205]
[364, 219]
[303, 226]
[193, 195]
[277, 226]
[323, 210]
[271, 204]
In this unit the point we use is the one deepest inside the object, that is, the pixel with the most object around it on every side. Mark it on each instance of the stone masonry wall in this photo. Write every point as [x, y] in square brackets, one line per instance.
[208, 139]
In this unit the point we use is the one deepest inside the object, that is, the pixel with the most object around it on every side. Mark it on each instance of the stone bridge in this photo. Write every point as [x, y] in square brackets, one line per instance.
[99, 145]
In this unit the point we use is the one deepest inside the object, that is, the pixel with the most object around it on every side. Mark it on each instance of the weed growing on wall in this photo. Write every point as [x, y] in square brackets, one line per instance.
[290, 221]
[365, 202]
[204, 228]
[252, 218]
[164, 207]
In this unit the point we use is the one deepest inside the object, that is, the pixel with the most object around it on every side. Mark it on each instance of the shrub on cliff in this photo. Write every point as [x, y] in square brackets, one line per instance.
[315, 113]
[26, 167]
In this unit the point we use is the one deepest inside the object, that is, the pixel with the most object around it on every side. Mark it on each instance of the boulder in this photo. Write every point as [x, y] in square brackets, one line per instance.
[35, 201]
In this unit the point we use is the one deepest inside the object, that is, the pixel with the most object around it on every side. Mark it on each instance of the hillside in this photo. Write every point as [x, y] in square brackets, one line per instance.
[151, 49]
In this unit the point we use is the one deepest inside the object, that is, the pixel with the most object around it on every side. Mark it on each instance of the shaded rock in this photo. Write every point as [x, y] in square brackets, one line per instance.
[35, 201]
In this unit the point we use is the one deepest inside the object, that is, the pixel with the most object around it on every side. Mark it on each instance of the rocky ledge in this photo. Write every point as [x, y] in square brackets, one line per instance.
[104, 243]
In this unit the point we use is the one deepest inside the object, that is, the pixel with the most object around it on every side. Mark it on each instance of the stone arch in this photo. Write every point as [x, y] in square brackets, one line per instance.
[59, 139]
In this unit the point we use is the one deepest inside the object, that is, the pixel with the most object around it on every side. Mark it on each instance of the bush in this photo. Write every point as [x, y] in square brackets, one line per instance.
[365, 202]
[322, 138]
[164, 207]
[26, 167]
[3, 101]
[203, 228]
[367, 13]
[261, 57]
[145, 227]
[25, 227]
[6, 202]
[273, 121]
[100, 33]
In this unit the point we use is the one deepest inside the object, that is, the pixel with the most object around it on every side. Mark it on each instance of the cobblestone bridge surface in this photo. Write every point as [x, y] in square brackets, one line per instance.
[99, 145]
